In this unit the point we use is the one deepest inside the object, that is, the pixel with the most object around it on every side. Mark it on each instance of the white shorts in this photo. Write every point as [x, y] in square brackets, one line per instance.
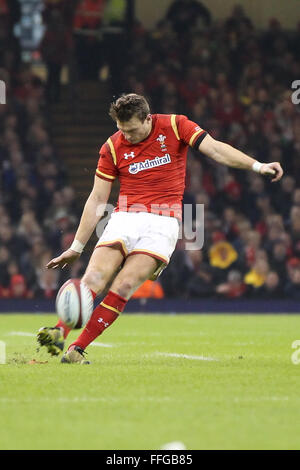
[142, 232]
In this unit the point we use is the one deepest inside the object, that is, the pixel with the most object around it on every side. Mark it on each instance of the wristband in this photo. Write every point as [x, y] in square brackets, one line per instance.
[77, 246]
[257, 166]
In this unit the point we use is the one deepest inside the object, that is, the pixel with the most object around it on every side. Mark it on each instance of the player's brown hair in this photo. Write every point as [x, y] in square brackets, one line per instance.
[129, 105]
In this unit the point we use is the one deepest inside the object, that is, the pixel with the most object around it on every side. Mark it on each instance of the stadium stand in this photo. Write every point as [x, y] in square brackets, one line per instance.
[36, 204]
[234, 81]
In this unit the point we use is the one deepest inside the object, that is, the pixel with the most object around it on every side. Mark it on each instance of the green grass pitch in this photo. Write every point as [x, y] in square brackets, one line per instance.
[208, 381]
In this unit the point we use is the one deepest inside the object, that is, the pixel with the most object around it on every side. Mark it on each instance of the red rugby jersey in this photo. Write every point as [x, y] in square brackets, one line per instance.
[152, 172]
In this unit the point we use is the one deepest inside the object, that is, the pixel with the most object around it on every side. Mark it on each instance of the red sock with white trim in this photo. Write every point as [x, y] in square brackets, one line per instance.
[102, 317]
[65, 328]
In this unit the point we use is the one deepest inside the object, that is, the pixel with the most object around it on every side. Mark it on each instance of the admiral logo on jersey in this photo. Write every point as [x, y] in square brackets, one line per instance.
[146, 164]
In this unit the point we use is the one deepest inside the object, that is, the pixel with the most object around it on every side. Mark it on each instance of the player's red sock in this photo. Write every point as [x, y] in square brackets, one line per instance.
[102, 317]
[66, 329]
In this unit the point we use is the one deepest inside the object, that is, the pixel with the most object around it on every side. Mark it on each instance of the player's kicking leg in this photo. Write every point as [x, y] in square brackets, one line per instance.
[103, 265]
[136, 270]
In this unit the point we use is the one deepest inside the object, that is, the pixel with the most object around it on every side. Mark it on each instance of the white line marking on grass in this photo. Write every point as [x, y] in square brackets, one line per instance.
[175, 445]
[58, 400]
[20, 333]
[244, 344]
[258, 399]
[102, 345]
[157, 333]
[186, 356]
[86, 399]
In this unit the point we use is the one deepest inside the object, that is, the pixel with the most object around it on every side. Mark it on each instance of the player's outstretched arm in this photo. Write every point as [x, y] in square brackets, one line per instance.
[228, 155]
[92, 213]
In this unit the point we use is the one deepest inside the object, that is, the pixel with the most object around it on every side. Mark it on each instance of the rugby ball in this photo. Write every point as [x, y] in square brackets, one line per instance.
[74, 303]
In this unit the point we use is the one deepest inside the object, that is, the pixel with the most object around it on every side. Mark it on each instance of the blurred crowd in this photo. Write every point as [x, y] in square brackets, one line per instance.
[233, 80]
[84, 35]
[38, 213]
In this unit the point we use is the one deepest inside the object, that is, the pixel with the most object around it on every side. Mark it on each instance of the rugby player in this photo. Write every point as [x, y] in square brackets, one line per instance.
[148, 154]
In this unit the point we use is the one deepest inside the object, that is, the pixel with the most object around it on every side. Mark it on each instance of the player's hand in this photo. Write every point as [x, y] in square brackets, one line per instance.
[272, 170]
[67, 257]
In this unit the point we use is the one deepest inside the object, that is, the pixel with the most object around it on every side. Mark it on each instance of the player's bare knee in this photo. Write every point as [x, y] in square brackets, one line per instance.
[126, 286]
[95, 280]
[123, 287]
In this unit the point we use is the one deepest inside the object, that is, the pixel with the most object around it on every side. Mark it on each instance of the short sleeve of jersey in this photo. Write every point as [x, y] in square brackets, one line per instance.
[106, 169]
[188, 131]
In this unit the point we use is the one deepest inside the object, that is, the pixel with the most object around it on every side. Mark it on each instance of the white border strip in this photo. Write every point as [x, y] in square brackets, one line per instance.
[102, 345]
[186, 356]
[20, 333]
